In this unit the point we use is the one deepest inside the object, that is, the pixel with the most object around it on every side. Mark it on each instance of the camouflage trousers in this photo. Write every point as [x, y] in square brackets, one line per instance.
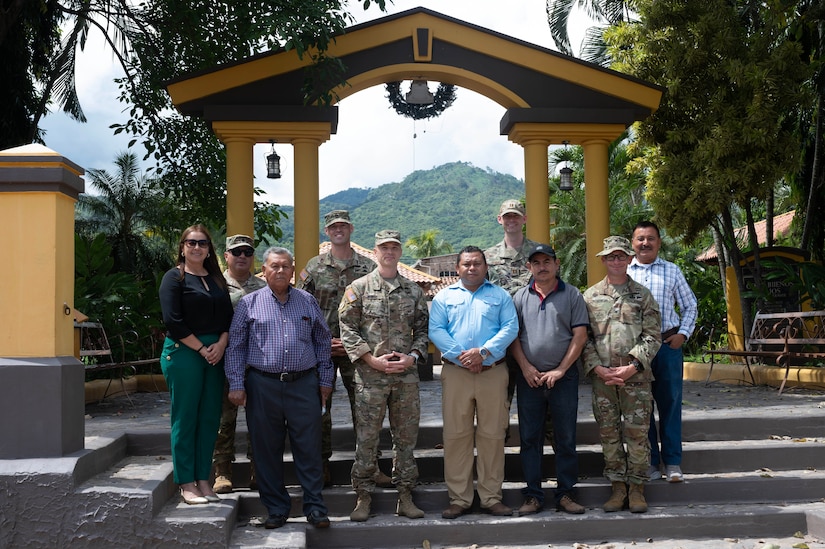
[404, 404]
[347, 371]
[623, 417]
[225, 443]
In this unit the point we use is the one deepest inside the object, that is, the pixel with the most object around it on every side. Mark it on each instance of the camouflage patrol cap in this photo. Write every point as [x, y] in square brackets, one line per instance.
[387, 235]
[239, 240]
[336, 216]
[511, 206]
[616, 244]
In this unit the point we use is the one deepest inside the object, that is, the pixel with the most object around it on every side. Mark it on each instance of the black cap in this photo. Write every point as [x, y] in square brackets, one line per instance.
[542, 249]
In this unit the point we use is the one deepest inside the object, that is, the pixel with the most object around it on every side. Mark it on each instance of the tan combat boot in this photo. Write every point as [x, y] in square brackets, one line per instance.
[223, 477]
[362, 507]
[617, 499]
[406, 507]
[636, 498]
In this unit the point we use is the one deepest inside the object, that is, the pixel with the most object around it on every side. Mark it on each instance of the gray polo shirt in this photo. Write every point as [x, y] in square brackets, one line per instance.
[546, 326]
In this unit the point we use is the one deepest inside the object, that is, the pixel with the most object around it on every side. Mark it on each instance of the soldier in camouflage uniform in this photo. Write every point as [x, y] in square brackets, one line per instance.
[326, 276]
[625, 334]
[507, 267]
[240, 258]
[383, 319]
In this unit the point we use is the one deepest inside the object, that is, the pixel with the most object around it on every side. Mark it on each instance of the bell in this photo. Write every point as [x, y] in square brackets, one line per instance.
[419, 94]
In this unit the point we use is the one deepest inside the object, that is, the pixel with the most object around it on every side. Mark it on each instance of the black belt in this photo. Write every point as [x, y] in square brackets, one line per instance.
[285, 376]
[483, 368]
[672, 331]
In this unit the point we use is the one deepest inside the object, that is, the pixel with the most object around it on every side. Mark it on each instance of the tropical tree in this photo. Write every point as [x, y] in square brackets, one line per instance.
[427, 244]
[605, 13]
[627, 205]
[722, 136]
[129, 212]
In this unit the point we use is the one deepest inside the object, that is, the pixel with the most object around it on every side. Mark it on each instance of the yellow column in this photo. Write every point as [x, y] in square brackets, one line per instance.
[240, 197]
[597, 205]
[536, 190]
[306, 200]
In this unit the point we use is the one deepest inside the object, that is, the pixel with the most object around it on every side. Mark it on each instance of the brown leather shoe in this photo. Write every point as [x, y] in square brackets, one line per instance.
[531, 506]
[498, 510]
[567, 505]
[454, 511]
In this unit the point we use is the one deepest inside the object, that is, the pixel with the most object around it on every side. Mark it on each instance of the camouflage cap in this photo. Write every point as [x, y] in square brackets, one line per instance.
[542, 249]
[387, 235]
[336, 216]
[511, 206]
[238, 240]
[616, 244]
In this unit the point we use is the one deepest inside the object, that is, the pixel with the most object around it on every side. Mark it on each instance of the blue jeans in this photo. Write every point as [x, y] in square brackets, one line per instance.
[667, 370]
[563, 402]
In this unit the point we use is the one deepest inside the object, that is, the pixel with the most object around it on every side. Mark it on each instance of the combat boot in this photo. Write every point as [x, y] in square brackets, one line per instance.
[223, 477]
[381, 479]
[362, 507]
[636, 498]
[406, 507]
[617, 499]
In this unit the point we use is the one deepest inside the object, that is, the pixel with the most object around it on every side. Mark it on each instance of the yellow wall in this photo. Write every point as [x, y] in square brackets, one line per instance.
[38, 277]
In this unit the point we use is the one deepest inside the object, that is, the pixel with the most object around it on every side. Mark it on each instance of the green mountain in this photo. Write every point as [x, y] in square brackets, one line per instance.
[458, 199]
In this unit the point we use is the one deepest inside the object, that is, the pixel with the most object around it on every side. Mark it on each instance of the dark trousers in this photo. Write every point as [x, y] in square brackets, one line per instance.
[274, 409]
[533, 404]
[668, 371]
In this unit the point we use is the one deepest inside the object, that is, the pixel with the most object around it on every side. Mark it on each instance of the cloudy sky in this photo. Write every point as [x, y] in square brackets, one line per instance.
[468, 131]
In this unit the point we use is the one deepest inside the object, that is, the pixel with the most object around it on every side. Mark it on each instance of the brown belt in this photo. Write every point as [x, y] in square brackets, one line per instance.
[483, 368]
[672, 331]
[619, 361]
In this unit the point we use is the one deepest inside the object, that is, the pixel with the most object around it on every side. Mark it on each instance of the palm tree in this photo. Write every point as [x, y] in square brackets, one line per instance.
[129, 211]
[605, 12]
[427, 244]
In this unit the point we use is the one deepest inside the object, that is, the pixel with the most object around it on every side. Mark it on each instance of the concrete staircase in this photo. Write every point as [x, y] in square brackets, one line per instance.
[746, 475]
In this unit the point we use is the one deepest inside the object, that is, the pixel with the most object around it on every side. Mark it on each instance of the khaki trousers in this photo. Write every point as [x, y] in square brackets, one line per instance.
[474, 407]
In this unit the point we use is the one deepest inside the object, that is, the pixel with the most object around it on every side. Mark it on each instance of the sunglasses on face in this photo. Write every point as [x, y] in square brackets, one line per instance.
[191, 243]
[245, 251]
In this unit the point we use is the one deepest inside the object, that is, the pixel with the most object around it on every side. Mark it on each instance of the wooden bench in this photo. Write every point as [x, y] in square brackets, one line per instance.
[97, 355]
[786, 339]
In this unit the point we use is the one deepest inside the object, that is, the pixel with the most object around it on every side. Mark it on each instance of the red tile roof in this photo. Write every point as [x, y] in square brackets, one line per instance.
[419, 277]
[781, 226]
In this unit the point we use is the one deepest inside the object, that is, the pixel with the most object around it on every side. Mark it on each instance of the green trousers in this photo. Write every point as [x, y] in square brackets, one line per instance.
[195, 389]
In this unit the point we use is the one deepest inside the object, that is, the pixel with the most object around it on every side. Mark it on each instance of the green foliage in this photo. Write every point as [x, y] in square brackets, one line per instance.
[809, 281]
[457, 199]
[706, 285]
[119, 301]
[427, 244]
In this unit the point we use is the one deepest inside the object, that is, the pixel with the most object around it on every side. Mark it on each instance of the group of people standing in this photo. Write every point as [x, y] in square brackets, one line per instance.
[509, 324]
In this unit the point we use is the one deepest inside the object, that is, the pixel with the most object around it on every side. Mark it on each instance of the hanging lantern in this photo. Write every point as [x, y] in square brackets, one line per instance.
[565, 174]
[273, 163]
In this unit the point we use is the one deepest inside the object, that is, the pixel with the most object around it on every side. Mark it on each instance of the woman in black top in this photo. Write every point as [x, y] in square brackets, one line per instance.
[197, 313]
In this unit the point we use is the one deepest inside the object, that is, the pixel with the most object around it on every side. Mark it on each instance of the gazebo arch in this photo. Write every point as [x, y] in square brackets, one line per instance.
[549, 98]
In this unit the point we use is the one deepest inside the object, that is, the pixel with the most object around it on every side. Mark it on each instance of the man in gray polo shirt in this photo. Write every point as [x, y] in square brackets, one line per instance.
[553, 325]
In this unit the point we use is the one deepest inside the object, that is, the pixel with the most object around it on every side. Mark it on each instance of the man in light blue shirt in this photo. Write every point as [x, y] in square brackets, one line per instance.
[670, 289]
[472, 322]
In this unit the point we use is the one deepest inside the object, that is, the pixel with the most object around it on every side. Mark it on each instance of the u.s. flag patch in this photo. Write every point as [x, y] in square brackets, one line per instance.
[350, 295]
[304, 274]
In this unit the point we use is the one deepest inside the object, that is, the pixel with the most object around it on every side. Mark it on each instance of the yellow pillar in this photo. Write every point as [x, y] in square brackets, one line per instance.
[306, 199]
[536, 190]
[597, 205]
[240, 197]
[41, 378]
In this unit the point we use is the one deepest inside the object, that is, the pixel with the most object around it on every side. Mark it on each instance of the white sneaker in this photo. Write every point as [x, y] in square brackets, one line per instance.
[654, 473]
[674, 473]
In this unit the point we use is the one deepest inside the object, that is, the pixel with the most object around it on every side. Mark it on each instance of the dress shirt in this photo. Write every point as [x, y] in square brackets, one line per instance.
[462, 320]
[669, 288]
[278, 337]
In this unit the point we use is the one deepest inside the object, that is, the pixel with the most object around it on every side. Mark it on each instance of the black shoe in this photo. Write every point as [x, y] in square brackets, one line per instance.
[274, 521]
[318, 519]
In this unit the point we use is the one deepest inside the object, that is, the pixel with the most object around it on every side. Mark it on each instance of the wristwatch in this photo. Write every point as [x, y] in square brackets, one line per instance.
[484, 353]
[636, 364]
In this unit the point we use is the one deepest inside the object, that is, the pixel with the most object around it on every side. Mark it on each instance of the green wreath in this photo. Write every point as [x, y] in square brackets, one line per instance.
[444, 97]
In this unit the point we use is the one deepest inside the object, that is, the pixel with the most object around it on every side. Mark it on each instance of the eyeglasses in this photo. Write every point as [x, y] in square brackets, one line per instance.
[615, 257]
[191, 243]
[245, 251]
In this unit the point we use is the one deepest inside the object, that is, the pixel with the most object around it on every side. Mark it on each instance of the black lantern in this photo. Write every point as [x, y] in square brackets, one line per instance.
[273, 163]
[565, 174]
